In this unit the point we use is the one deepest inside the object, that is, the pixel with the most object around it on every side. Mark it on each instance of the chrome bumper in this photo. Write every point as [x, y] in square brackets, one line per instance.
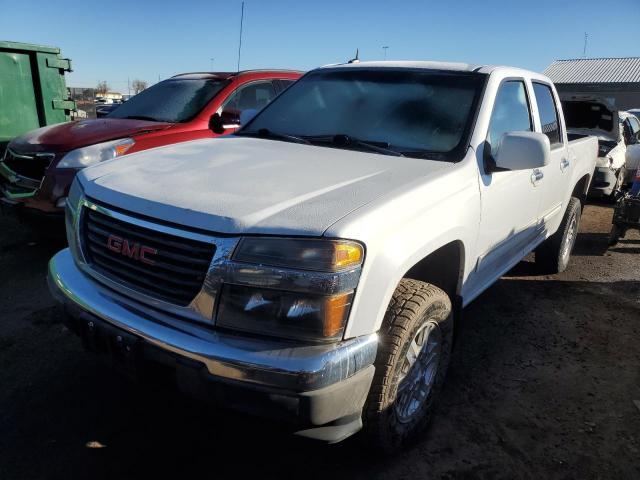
[258, 361]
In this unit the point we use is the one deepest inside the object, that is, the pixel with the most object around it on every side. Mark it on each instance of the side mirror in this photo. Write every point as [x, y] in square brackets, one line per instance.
[522, 151]
[218, 123]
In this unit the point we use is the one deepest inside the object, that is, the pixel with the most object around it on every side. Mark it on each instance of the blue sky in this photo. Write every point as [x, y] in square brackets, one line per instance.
[113, 40]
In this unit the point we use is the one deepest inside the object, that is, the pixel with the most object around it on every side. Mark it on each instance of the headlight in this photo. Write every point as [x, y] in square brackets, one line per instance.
[86, 156]
[300, 253]
[284, 314]
[307, 294]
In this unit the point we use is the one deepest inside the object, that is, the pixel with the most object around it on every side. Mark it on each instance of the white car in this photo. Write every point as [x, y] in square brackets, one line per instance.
[618, 135]
[314, 266]
[631, 126]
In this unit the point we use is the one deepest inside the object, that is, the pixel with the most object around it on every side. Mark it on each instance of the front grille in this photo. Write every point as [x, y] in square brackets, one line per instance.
[30, 165]
[179, 264]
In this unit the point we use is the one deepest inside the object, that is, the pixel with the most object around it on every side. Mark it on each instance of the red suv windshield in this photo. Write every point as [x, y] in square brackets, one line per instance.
[173, 100]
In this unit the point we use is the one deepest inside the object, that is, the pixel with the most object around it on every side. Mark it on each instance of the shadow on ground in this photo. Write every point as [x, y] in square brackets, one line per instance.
[529, 391]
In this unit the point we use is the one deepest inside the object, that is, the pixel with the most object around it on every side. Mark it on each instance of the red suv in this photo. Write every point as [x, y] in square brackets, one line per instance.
[38, 167]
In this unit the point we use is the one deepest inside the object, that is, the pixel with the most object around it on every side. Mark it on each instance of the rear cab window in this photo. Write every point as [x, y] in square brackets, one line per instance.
[548, 111]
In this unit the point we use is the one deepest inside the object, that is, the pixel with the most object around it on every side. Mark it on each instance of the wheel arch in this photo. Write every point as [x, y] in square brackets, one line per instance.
[581, 189]
[444, 268]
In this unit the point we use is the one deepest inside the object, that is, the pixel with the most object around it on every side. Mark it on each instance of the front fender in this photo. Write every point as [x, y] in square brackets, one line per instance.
[401, 230]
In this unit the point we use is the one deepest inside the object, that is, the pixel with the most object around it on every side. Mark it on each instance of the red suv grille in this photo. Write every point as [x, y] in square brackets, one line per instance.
[32, 165]
[162, 266]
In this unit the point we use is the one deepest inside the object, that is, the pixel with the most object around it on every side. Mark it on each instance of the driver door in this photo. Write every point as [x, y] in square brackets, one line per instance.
[510, 199]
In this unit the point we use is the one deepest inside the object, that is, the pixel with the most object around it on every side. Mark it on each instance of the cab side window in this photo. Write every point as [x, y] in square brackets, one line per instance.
[634, 126]
[511, 113]
[253, 96]
[548, 113]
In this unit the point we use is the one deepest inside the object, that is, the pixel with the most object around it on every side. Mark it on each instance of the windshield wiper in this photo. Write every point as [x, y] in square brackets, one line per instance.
[266, 133]
[141, 117]
[348, 141]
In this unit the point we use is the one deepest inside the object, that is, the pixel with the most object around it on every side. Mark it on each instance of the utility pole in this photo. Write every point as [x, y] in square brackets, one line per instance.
[384, 49]
[240, 42]
[584, 49]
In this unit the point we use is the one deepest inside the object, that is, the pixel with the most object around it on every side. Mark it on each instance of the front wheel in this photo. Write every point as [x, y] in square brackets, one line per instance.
[414, 353]
[553, 255]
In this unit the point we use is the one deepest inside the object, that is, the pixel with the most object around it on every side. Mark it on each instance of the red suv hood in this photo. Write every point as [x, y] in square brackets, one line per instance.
[64, 137]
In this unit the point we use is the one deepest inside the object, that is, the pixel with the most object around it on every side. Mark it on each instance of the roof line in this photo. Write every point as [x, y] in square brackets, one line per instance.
[595, 58]
[241, 72]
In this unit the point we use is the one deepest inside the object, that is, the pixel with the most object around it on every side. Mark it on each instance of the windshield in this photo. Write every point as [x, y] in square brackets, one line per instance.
[173, 100]
[413, 112]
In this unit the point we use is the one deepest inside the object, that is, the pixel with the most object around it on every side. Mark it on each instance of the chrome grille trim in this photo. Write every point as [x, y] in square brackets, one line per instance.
[201, 308]
[28, 173]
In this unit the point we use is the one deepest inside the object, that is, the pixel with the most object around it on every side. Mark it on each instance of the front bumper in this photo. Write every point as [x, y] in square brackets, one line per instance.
[36, 198]
[320, 389]
[603, 183]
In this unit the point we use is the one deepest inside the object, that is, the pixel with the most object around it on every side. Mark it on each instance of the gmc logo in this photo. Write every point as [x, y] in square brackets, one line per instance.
[132, 250]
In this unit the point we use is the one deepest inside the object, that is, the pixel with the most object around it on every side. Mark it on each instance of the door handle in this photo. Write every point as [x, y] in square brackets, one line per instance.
[564, 164]
[536, 176]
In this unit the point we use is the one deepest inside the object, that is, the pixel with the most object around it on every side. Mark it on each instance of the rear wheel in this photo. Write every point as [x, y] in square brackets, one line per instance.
[415, 348]
[614, 236]
[553, 255]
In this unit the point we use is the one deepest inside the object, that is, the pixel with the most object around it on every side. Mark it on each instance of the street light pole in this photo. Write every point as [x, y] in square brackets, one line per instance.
[212, 59]
[385, 48]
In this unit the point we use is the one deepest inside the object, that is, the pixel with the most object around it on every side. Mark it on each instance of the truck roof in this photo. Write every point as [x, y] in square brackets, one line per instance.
[451, 66]
[430, 65]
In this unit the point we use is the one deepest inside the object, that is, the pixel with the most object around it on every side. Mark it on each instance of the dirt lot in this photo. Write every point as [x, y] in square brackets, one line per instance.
[542, 385]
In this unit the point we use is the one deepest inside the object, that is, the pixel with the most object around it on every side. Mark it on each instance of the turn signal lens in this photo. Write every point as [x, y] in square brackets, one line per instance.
[123, 147]
[299, 253]
[347, 255]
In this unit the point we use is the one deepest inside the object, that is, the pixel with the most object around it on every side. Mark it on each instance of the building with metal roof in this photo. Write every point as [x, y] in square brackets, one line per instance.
[615, 78]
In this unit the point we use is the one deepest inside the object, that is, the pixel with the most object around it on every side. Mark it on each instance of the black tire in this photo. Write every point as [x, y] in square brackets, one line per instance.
[553, 255]
[414, 308]
[614, 236]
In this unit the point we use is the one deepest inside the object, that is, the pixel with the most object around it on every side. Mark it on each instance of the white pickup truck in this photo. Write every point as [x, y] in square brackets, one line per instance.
[314, 266]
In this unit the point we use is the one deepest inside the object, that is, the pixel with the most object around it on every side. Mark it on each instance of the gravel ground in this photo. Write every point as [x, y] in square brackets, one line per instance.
[542, 385]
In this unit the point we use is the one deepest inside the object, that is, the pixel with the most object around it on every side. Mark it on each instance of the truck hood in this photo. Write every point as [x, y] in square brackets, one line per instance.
[234, 185]
[64, 137]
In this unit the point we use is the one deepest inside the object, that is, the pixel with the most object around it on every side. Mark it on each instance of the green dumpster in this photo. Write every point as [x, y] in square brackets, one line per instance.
[33, 92]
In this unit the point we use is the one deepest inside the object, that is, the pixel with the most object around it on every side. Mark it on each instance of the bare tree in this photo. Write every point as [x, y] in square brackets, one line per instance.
[138, 86]
[102, 88]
